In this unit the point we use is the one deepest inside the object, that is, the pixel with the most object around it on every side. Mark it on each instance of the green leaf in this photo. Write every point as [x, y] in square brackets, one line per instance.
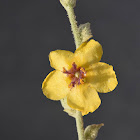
[85, 32]
[91, 131]
[71, 112]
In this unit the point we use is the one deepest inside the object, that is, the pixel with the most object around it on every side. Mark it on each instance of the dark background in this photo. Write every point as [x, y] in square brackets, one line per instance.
[29, 30]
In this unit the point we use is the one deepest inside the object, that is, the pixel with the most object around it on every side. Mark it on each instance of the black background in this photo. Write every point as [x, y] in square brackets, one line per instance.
[29, 30]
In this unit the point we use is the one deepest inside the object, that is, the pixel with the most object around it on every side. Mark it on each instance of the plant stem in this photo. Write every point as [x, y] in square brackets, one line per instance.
[77, 39]
[79, 124]
[74, 27]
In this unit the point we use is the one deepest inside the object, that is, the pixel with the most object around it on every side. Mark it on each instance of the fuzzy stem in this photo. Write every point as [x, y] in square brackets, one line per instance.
[79, 124]
[74, 27]
[77, 39]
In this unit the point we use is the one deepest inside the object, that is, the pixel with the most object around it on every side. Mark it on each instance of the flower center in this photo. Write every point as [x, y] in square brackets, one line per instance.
[76, 74]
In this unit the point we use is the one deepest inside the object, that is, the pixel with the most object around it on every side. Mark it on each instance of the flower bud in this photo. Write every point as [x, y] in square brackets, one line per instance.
[67, 3]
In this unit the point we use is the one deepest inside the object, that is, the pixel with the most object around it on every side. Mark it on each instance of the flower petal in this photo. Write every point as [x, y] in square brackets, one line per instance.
[83, 98]
[55, 85]
[88, 53]
[61, 58]
[102, 77]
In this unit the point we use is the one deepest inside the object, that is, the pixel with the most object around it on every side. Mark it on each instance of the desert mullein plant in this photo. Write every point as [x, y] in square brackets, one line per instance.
[79, 76]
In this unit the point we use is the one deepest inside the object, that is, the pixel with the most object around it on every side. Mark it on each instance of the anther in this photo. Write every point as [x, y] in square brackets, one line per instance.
[82, 81]
[64, 70]
[83, 70]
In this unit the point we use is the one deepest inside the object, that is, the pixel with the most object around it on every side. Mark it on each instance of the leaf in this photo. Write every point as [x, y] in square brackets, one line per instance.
[67, 109]
[91, 131]
[85, 32]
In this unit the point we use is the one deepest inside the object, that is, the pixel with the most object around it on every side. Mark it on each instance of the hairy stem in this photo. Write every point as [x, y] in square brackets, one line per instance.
[79, 124]
[77, 39]
[74, 27]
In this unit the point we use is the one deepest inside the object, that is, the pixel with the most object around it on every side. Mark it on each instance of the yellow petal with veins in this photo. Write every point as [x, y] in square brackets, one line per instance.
[55, 85]
[61, 58]
[102, 77]
[83, 98]
[88, 53]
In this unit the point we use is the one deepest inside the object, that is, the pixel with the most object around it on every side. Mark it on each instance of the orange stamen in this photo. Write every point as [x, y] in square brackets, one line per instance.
[71, 75]
[70, 85]
[64, 70]
[83, 70]
[82, 81]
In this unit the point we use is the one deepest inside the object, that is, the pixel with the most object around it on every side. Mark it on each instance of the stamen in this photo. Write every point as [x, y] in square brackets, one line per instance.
[74, 66]
[76, 74]
[82, 81]
[71, 85]
[64, 70]
[70, 75]
[83, 70]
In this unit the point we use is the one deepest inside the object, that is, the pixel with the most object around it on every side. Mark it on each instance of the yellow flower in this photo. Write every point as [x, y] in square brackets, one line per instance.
[79, 76]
